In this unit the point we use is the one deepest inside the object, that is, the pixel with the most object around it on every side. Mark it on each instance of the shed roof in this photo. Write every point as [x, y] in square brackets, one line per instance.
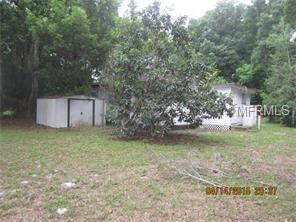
[67, 97]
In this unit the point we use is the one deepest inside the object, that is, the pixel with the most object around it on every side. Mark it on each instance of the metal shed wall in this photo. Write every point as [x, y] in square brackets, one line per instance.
[52, 112]
[68, 111]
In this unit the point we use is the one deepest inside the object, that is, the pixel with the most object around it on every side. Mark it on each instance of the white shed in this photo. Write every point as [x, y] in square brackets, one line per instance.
[70, 111]
[245, 114]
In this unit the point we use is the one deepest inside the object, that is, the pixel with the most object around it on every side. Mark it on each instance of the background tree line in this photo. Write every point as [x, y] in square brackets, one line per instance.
[54, 47]
[254, 45]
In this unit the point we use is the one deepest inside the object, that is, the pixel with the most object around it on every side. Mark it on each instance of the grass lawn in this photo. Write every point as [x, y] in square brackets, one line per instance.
[124, 180]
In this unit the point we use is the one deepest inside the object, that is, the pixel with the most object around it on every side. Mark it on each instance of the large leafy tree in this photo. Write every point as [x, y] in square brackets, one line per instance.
[281, 84]
[240, 42]
[267, 16]
[52, 47]
[270, 14]
[219, 38]
[157, 76]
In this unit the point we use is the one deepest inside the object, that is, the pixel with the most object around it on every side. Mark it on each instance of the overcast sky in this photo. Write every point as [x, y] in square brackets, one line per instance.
[190, 8]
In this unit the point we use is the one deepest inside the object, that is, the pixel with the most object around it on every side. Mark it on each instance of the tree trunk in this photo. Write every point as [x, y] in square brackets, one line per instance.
[34, 82]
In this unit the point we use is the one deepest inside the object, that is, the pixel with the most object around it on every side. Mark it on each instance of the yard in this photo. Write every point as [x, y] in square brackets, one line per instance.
[129, 180]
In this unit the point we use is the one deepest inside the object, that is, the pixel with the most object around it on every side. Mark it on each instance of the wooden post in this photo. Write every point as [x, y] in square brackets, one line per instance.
[293, 116]
[259, 121]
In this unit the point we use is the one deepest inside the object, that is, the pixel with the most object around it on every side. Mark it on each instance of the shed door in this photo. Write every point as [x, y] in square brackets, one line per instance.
[81, 113]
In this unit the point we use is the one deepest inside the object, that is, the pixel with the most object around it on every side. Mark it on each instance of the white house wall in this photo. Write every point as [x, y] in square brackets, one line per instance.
[250, 116]
[236, 96]
[238, 117]
[224, 120]
[248, 100]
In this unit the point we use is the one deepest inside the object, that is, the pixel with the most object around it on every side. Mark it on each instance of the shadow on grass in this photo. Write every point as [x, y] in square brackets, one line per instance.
[173, 138]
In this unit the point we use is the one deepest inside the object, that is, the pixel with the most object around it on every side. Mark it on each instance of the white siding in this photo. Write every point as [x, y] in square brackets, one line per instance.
[224, 120]
[250, 117]
[237, 102]
[180, 123]
[248, 100]
[240, 101]
[239, 105]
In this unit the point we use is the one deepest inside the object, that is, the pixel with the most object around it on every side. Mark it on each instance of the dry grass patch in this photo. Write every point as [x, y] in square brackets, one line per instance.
[124, 180]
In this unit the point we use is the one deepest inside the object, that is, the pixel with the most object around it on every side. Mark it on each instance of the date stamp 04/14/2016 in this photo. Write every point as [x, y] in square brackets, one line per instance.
[241, 191]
